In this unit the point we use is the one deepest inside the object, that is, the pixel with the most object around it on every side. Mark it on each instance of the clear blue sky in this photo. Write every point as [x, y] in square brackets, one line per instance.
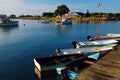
[37, 7]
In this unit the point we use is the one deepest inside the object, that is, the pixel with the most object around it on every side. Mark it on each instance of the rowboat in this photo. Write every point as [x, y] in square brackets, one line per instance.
[87, 50]
[47, 65]
[101, 43]
[108, 36]
[72, 69]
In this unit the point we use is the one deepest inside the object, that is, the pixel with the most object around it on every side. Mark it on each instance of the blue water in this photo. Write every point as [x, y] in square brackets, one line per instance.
[19, 45]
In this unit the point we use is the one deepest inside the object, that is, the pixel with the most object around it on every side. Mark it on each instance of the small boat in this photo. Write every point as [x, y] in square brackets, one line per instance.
[66, 21]
[44, 21]
[57, 22]
[86, 50]
[72, 69]
[47, 65]
[100, 43]
[5, 21]
[108, 36]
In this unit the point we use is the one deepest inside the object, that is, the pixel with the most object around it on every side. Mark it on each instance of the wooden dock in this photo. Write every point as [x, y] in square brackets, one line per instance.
[107, 68]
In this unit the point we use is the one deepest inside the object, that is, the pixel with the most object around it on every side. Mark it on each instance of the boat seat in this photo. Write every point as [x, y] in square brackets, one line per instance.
[89, 62]
[58, 62]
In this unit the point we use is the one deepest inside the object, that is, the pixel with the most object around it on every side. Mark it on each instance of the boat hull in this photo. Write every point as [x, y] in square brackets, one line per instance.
[47, 65]
[87, 50]
[13, 23]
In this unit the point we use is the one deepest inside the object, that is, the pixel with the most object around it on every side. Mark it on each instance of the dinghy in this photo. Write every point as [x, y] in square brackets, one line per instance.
[86, 50]
[48, 65]
[108, 36]
[100, 43]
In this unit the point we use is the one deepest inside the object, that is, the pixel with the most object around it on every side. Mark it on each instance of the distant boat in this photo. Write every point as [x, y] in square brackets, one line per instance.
[44, 21]
[57, 22]
[4, 21]
[66, 21]
[48, 64]
[72, 69]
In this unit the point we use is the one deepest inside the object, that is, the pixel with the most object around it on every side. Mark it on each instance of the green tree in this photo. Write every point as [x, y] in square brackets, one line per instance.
[61, 10]
[48, 14]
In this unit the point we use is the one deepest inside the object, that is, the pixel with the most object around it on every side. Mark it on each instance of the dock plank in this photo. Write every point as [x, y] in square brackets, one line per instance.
[107, 68]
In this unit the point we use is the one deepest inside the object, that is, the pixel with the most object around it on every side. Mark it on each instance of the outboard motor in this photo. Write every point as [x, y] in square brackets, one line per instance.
[74, 43]
[57, 51]
[90, 38]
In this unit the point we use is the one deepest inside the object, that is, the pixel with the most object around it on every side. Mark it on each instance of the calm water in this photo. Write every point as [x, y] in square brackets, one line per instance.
[19, 45]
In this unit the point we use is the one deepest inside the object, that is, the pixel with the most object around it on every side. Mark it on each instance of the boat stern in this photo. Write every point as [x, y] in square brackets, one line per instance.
[37, 64]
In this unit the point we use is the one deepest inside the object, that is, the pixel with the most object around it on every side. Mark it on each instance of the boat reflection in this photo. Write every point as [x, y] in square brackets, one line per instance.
[8, 28]
[62, 28]
[37, 72]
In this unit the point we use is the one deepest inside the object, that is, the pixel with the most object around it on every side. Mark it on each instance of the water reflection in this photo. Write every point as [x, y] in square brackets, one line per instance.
[62, 28]
[8, 28]
[37, 72]
[88, 22]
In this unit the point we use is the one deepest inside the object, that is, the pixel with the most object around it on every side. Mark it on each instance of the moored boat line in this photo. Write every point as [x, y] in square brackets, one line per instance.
[67, 60]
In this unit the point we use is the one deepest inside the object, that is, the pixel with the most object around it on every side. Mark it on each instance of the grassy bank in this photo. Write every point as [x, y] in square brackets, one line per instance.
[74, 19]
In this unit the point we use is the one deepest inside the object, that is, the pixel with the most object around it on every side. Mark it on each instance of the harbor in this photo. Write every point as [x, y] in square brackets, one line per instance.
[68, 65]
[59, 40]
[17, 42]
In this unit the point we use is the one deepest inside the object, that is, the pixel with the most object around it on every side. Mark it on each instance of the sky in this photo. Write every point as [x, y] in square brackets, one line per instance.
[37, 7]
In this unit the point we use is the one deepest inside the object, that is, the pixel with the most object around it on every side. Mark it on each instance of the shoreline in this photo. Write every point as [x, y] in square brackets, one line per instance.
[75, 19]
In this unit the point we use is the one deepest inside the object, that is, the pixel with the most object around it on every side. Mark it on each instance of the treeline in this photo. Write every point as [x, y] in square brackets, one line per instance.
[13, 16]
